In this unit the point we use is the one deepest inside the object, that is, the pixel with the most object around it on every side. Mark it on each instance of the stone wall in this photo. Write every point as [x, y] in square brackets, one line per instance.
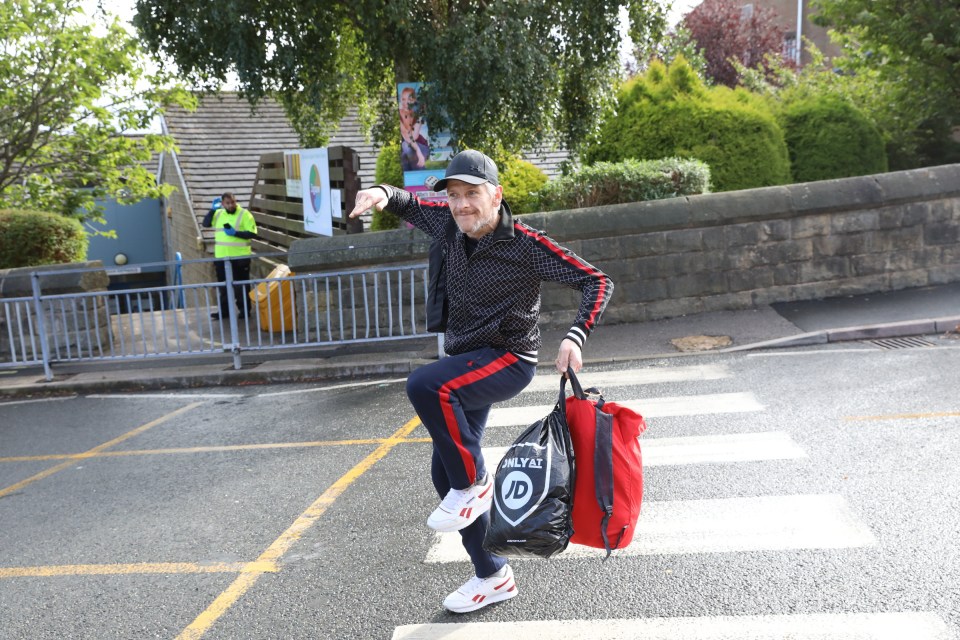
[77, 326]
[730, 250]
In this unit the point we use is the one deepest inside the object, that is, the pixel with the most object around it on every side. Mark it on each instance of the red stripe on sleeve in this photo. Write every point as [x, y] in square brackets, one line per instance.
[425, 203]
[556, 250]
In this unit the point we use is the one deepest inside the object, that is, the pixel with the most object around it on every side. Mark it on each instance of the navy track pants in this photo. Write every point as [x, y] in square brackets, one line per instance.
[453, 397]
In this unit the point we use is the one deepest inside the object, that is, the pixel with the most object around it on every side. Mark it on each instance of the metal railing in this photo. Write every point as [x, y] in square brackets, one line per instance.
[296, 311]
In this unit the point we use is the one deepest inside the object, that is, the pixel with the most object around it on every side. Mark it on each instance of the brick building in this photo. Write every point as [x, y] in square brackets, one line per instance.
[789, 12]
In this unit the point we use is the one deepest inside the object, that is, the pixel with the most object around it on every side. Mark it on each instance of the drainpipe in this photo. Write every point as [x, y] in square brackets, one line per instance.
[799, 30]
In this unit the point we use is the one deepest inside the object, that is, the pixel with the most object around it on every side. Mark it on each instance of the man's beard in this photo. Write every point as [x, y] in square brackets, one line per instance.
[481, 223]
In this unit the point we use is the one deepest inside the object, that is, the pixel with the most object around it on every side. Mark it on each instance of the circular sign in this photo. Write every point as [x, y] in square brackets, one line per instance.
[316, 187]
[516, 490]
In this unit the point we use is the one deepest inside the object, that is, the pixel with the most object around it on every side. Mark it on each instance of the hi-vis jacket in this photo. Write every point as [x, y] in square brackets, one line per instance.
[494, 295]
[231, 246]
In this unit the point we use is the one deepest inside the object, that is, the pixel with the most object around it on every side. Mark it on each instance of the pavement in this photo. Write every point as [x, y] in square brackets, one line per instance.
[929, 311]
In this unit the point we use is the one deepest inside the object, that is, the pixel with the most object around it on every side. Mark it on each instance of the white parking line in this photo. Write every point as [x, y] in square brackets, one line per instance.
[767, 523]
[817, 626]
[736, 447]
[649, 408]
[348, 385]
[140, 396]
[649, 375]
[165, 396]
[7, 404]
[778, 354]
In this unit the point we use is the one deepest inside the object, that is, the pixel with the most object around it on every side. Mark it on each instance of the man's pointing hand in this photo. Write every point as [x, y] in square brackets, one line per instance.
[368, 199]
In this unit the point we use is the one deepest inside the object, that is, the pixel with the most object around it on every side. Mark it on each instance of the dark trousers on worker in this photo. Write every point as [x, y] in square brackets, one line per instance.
[453, 397]
[241, 271]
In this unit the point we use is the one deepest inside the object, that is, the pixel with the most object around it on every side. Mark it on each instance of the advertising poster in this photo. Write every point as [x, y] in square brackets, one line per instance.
[315, 180]
[291, 170]
[424, 154]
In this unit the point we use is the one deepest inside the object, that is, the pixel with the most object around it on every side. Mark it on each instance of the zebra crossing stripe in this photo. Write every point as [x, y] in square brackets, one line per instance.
[765, 523]
[817, 626]
[649, 408]
[650, 375]
[737, 447]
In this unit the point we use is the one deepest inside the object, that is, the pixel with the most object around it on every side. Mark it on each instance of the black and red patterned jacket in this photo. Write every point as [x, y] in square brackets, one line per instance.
[494, 295]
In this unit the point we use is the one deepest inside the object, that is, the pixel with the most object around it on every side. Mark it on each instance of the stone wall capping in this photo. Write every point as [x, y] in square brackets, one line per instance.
[76, 277]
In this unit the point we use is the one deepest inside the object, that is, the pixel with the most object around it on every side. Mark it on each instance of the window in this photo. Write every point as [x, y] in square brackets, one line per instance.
[790, 46]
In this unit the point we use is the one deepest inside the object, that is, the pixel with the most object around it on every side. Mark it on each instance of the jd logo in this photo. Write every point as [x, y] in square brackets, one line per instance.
[517, 488]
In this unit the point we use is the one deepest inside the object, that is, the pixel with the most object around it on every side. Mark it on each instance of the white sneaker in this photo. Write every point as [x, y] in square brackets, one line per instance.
[477, 593]
[461, 507]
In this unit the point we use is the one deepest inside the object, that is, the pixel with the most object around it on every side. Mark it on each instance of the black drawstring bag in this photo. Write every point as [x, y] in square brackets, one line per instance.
[533, 498]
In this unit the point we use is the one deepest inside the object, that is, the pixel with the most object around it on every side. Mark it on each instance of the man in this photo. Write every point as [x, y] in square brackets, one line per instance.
[495, 266]
[234, 227]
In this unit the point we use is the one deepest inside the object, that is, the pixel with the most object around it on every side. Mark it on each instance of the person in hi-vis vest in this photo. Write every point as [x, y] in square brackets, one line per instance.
[234, 227]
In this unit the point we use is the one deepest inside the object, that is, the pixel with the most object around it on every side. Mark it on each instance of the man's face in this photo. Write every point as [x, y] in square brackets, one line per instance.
[229, 204]
[473, 206]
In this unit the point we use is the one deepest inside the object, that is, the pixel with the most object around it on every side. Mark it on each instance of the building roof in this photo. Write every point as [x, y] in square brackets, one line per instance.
[221, 142]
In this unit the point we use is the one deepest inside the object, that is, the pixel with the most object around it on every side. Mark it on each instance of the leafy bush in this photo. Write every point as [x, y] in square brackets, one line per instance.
[830, 138]
[521, 181]
[627, 181]
[892, 105]
[670, 113]
[390, 172]
[34, 238]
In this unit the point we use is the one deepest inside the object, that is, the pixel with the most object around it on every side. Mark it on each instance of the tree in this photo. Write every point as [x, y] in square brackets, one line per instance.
[501, 72]
[902, 114]
[920, 35]
[726, 31]
[915, 46]
[678, 42]
[69, 98]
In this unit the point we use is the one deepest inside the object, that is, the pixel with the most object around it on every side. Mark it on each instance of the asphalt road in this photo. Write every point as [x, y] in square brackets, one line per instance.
[300, 511]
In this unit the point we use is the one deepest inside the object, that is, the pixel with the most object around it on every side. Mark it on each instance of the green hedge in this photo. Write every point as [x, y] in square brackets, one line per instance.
[670, 113]
[521, 181]
[830, 138]
[34, 238]
[388, 171]
[628, 181]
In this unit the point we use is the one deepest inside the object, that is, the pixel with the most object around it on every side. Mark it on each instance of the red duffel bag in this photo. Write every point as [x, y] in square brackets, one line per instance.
[609, 478]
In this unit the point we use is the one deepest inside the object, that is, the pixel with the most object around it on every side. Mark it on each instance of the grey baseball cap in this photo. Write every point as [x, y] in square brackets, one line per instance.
[469, 166]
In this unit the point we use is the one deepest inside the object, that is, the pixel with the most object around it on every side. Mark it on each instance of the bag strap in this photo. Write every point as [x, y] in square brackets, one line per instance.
[603, 473]
[574, 385]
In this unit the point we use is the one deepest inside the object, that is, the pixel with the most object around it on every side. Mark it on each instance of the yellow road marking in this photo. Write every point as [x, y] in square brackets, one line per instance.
[281, 545]
[96, 450]
[208, 449]
[136, 569]
[907, 416]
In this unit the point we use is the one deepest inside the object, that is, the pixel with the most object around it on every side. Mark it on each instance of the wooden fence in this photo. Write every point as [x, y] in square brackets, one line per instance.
[280, 217]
